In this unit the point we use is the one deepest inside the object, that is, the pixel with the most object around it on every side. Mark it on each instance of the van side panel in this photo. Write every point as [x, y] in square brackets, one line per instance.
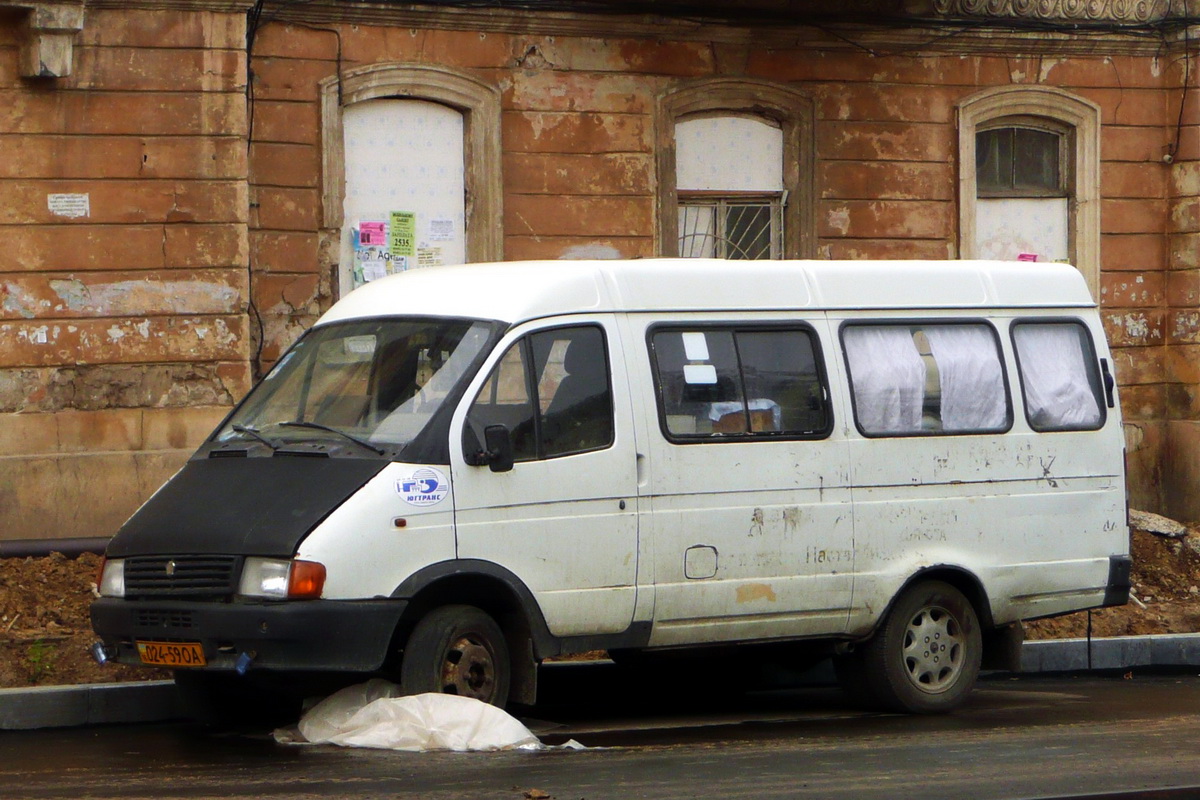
[751, 539]
[1033, 516]
[567, 525]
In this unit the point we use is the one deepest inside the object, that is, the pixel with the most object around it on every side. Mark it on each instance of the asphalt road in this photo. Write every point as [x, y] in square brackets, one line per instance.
[1095, 736]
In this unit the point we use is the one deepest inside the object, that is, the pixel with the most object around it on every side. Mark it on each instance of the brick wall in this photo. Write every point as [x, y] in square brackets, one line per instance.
[1181, 301]
[123, 333]
[579, 179]
[143, 303]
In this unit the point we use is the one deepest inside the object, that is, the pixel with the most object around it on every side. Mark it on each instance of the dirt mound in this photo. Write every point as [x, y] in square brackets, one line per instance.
[45, 632]
[1165, 596]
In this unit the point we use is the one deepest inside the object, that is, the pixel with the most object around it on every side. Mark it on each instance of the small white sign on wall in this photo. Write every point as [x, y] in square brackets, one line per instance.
[69, 205]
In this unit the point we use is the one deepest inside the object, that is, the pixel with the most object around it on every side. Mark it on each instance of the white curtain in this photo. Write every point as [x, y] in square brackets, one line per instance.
[888, 378]
[972, 380]
[1054, 373]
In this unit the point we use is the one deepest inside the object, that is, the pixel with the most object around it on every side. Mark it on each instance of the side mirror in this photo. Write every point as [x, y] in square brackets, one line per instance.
[498, 441]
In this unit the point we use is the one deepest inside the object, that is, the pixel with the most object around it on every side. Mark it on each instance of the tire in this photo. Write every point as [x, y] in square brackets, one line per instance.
[457, 650]
[925, 658]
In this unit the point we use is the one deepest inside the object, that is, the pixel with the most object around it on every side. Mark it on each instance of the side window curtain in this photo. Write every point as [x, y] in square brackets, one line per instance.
[887, 379]
[1058, 376]
[738, 383]
[926, 379]
[552, 391]
[971, 378]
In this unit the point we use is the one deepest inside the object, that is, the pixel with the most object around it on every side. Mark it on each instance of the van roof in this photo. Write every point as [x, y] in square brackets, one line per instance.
[521, 290]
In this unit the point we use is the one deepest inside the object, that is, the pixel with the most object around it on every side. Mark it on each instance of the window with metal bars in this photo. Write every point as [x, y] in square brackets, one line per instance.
[729, 186]
[745, 227]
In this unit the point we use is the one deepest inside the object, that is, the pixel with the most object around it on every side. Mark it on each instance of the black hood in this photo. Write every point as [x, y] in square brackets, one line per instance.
[242, 506]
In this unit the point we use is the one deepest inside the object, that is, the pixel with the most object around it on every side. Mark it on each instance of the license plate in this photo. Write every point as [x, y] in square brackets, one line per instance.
[172, 654]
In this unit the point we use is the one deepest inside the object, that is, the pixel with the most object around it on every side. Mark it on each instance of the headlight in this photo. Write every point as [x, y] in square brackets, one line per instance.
[281, 579]
[112, 578]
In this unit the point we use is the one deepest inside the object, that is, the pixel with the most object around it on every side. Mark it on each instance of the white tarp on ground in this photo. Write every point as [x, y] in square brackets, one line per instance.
[375, 714]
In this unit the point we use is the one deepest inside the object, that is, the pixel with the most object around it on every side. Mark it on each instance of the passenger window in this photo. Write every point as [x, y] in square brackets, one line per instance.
[504, 400]
[926, 379]
[574, 390]
[567, 369]
[1061, 383]
[738, 383]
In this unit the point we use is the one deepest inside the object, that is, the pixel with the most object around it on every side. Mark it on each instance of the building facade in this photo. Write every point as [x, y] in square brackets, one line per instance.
[185, 185]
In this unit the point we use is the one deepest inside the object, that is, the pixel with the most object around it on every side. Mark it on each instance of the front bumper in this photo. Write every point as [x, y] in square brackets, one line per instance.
[313, 635]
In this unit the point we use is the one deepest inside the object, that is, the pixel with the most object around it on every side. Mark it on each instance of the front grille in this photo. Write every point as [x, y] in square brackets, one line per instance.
[180, 576]
[155, 618]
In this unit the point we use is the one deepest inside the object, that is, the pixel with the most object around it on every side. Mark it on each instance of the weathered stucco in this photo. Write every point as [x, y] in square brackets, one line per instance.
[152, 300]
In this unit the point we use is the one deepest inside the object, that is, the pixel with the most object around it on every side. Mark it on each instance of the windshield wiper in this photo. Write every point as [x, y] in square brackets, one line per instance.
[318, 426]
[254, 434]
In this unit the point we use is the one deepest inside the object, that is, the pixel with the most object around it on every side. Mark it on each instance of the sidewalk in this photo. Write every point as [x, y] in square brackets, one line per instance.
[156, 701]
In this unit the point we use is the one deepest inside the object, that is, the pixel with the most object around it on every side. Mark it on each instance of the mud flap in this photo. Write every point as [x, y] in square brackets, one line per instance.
[1002, 648]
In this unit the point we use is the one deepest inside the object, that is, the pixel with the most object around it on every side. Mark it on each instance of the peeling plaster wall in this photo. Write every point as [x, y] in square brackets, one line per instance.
[579, 171]
[136, 302]
[124, 257]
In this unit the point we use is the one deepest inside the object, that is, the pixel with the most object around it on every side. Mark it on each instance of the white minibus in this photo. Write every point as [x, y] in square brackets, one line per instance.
[459, 472]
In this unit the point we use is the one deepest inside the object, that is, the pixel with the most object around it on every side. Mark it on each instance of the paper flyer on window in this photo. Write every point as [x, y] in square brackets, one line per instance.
[372, 255]
[402, 236]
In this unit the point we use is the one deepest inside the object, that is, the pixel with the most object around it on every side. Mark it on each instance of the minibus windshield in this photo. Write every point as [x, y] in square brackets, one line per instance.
[371, 385]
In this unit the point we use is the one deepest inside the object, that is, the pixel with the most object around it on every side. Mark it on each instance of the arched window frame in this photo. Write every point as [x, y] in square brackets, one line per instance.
[1078, 121]
[479, 104]
[790, 109]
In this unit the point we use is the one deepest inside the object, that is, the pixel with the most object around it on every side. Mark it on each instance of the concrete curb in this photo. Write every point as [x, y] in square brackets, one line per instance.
[89, 704]
[1115, 652]
[157, 701]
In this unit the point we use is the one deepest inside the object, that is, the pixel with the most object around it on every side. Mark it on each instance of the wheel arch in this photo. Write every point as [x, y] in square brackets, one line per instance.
[1001, 645]
[960, 578]
[492, 589]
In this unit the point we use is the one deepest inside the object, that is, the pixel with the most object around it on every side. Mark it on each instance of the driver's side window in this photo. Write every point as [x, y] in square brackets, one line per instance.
[553, 392]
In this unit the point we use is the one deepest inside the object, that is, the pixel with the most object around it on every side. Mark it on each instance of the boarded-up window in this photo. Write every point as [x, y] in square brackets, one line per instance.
[1023, 205]
[405, 198]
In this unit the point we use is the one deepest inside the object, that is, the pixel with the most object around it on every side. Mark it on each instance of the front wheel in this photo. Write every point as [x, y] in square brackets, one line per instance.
[925, 658]
[458, 650]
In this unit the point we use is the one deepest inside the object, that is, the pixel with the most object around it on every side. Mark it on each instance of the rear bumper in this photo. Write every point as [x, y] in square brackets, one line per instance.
[316, 635]
[1117, 591]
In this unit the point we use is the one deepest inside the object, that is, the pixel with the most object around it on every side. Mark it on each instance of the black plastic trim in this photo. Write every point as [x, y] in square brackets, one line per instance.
[545, 643]
[1117, 591]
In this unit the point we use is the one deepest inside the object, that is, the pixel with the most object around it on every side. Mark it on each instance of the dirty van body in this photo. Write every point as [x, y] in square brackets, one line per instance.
[459, 472]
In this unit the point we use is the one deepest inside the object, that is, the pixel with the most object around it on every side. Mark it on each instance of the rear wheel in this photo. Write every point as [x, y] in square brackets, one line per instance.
[458, 650]
[925, 658]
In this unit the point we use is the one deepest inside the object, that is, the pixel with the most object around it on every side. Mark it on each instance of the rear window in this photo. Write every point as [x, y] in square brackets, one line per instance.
[926, 379]
[726, 383]
[1059, 376]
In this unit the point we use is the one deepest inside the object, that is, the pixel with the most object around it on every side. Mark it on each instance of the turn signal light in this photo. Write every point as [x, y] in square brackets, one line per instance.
[306, 580]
